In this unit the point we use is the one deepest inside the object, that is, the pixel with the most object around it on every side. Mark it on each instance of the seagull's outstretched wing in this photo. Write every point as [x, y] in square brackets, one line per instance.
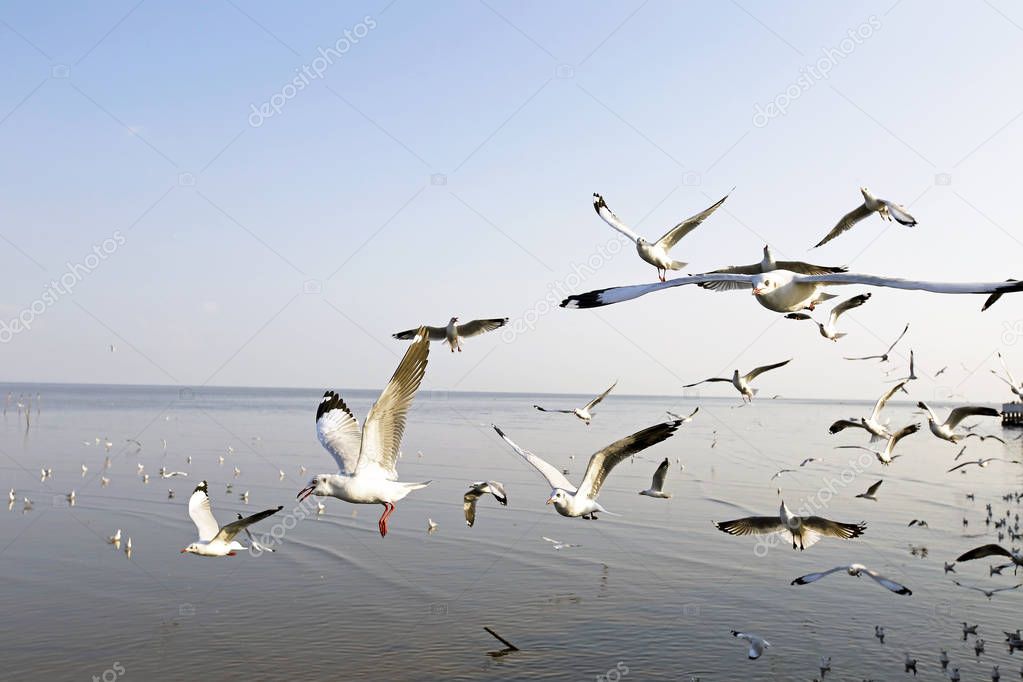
[848, 220]
[814, 577]
[843, 424]
[751, 525]
[840, 278]
[872, 490]
[201, 514]
[847, 305]
[475, 492]
[961, 413]
[385, 424]
[553, 476]
[605, 459]
[835, 529]
[338, 431]
[662, 473]
[477, 327]
[705, 381]
[672, 236]
[228, 532]
[754, 373]
[602, 297]
[596, 401]
[608, 216]
[435, 333]
[899, 212]
[983, 551]
[895, 587]
[808, 268]
[544, 409]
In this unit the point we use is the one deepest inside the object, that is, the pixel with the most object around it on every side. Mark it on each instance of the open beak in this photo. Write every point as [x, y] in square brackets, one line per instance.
[305, 492]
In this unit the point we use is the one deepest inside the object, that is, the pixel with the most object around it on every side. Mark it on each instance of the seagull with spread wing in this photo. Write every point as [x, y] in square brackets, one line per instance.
[993, 550]
[582, 501]
[742, 383]
[828, 329]
[656, 488]
[872, 424]
[367, 457]
[871, 204]
[856, 570]
[453, 333]
[886, 456]
[883, 357]
[586, 411]
[684, 419]
[214, 540]
[871, 493]
[988, 593]
[1016, 388]
[803, 531]
[475, 492]
[655, 253]
[946, 430]
[756, 644]
[982, 463]
[767, 264]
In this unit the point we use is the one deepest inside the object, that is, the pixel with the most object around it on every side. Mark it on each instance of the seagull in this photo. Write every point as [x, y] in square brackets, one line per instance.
[807, 530]
[782, 471]
[585, 412]
[910, 664]
[742, 383]
[946, 430]
[253, 545]
[756, 644]
[982, 463]
[950, 567]
[11, 496]
[1016, 388]
[879, 633]
[969, 629]
[987, 593]
[918, 522]
[85, 470]
[475, 492]
[214, 540]
[558, 544]
[856, 570]
[943, 659]
[686, 419]
[582, 501]
[883, 357]
[656, 488]
[784, 291]
[828, 329]
[170, 474]
[978, 646]
[767, 264]
[431, 526]
[871, 204]
[367, 457]
[871, 493]
[885, 456]
[983, 437]
[808, 460]
[115, 539]
[655, 253]
[453, 333]
[825, 665]
[993, 550]
[941, 371]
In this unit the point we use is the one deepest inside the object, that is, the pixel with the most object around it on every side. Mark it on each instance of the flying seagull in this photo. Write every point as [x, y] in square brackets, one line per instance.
[856, 570]
[586, 411]
[946, 430]
[982, 463]
[885, 456]
[871, 424]
[871, 493]
[804, 531]
[988, 593]
[686, 419]
[767, 264]
[756, 644]
[871, 204]
[993, 550]
[883, 357]
[453, 333]
[558, 544]
[828, 329]
[475, 492]
[655, 253]
[367, 457]
[582, 501]
[656, 488]
[1016, 388]
[214, 540]
[742, 383]
[784, 291]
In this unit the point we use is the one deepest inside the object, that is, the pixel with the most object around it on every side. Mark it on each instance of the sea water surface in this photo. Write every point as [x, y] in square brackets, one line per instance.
[648, 595]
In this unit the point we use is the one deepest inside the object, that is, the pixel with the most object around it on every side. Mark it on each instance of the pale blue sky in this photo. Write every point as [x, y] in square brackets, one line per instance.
[134, 118]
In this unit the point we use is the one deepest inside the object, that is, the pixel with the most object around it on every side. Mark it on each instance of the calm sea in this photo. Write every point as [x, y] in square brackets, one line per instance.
[649, 595]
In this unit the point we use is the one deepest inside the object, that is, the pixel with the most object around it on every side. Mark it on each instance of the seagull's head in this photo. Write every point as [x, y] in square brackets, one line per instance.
[559, 498]
[453, 320]
[318, 485]
[765, 283]
[191, 549]
[865, 192]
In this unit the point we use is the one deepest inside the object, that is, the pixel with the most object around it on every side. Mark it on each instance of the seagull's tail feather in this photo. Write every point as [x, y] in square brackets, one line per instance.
[824, 296]
[677, 265]
[417, 486]
[839, 335]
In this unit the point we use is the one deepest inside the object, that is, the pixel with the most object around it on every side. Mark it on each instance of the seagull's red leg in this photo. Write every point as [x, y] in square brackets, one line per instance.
[388, 510]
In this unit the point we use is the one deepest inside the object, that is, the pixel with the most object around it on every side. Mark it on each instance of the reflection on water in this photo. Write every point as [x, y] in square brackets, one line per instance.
[654, 592]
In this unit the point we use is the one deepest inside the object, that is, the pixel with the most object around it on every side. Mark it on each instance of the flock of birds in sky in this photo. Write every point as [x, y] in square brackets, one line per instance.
[366, 455]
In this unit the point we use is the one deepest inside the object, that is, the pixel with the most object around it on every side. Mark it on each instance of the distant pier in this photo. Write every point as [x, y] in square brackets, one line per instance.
[1012, 414]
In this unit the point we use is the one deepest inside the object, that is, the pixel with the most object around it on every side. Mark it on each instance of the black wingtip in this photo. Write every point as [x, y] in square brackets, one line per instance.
[203, 486]
[330, 401]
[591, 299]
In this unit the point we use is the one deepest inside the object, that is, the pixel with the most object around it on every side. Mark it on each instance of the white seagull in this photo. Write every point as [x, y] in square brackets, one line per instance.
[784, 291]
[828, 329]
[871, 204]
[872, 424]
[164, 473]
[586, 411]
[993, 550]
[946, 430]
[885, 456]
[582, 501]
[1016, 388]
[656, 488]
[856, 570]
[684, 419]
[475, 492]
[367, 457]
[982, 463]
[804, 531]
[767, 264]
[742, 383]
[655, 253]
[214, 540]
[871, 493]
[988, 593]
[453, 333]
[756, 644]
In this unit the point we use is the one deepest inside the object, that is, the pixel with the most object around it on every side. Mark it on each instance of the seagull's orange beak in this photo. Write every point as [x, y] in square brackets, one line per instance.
[550, 500]
[757, 292]
[305, 492]
[183, 551]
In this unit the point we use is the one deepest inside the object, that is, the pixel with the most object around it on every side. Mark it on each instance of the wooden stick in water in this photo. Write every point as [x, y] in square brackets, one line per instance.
[501, 639]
